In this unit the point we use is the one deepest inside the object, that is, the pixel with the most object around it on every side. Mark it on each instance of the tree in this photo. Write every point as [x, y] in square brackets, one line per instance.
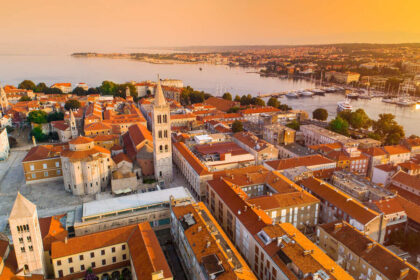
[339, 125]
[38, 134]
[233, 109]
[10, 129]
[273, 102]
[41, 87]
[72, 104]
[12, 142]
[27, 84]
[359, 119]
[55, 116]
[122, 88]
[294, 125]
[388, 130]
[25, 98]
[320, 114]
[258, 101]
[285, 107]
[79, 91]
[108, 88]
[246, 99]
[237, 98]
[237, 126]
[93, 90]
[227, 96]
[37, 116]
[49, 90]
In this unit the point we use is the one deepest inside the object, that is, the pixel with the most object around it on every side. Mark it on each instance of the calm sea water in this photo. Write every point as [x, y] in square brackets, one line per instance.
[215, 79]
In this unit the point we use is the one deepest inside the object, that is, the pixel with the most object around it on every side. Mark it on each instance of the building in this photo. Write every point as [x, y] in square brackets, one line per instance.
[193, 170]
[4, 103]
[259, 148]
[220, 103]
[269, 191]
[97, 128]
[278, 134]
[397, 154]
[337, 205]
[64, 87]
[26, 235]
[412, 144]
[4, 144]
[294, 150]
[342, 77]
[162, 143]
[315, 135]
[316, 163]
[406, 182]
[359, 188]
[172, 83]
[131, 250]
[205, 250]
[43, 163]
[382, 174]
[376, 156]
[86, 167]
[361, 256]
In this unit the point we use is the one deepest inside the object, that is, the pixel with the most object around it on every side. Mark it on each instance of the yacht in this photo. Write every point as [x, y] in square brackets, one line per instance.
[353, 95]
[404, 101]
[306, 93]
[318, 91]
[292, 94]
[387, 100]
[344, 105]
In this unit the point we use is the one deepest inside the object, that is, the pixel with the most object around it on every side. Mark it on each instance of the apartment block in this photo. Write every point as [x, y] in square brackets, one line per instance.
[278, 134]
[259, 148]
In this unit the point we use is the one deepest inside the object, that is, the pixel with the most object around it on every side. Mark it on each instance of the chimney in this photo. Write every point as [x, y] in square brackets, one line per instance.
[199, 228]
[208, 244]
[404, 272]
[307, 252]
[279, 240]
[65, 240]
[370, 246]
[337, 226]
[245, 208]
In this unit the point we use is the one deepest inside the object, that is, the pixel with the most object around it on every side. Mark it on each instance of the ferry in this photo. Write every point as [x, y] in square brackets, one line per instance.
[344, 106]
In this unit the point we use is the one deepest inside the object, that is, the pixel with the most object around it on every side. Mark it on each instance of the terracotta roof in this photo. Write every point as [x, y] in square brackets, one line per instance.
[81, 140]
[193, 161]
[394, 150]
[388, 206]
[383, 260]
[52, 230]
[79, 155]
[139, 133]
[109, 137]
[374, 151]
[341, 200]
[97, 126]
[146, 254]
[405, 194]
[408, 165]
[386, 167]
[10, 269]
[220, 103]
[61, 125]
[310, 160]
[266, 109]
[121, 157]
[406, 179]
[44, 152]
[252, 141]
[220, 148]
[411, 208]
[284, 200]
[116, 147]
[203, 242]
[62, 85]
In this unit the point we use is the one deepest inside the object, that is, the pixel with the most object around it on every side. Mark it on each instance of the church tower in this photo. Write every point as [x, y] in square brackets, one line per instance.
[73, 127]
[161, 131]
[4, 103]
[26, 235]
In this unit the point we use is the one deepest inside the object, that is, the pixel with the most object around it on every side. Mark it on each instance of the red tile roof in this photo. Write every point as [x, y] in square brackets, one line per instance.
[394, 150]
[192, 160]
[311, 160]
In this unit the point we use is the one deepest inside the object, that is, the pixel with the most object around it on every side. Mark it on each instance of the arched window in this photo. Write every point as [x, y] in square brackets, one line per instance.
[159, 119]
[160, 134]
[165, 133]
[166, 148]
[165, 119]
[161, 148]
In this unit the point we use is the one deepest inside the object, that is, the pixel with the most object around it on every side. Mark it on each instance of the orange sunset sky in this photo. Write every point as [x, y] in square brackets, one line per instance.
[94, 25]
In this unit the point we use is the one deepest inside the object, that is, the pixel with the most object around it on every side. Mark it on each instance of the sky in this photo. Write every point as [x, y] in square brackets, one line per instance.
[63, 26]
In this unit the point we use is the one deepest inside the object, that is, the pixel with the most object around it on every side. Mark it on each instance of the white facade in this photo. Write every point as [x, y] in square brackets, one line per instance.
[4, 145]
[162, 144]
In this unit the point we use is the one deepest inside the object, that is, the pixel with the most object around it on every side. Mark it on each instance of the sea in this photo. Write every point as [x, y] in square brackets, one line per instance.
[214, 79]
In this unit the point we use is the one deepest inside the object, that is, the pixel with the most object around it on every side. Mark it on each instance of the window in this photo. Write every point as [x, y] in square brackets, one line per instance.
[92, 255]
[58, 171]
[26, 268]
[71, 270]
[124, 256]
[82, 267]
[159, 118]
[114, 259]
[81, 257]
[33, 175]
[58, 262]
[113, 249]
[166, 148]
[123, 247]
[60, 273]
[44, 165]
[57, 164]
[93, 264]
[103, 262]
[165, 134]
[70, 260]
[160, 134]
[45, 174]
[32, 167]
[20, 240]
[165, 118]
[31, 248]
[22, 249]
[102, 252]
[161, 148]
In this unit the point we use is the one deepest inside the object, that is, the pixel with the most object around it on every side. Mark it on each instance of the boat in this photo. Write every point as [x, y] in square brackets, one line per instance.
[306, 93]
[353, 95]
[404, 101]
[292, 94]
[330, 89]
[318, 91]
[344, 105]
[387, 100]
